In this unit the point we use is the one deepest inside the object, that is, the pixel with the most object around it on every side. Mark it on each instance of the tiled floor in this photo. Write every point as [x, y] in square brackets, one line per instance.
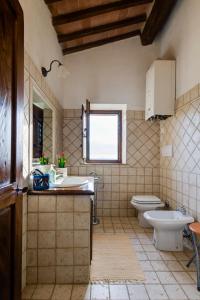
[166, 276]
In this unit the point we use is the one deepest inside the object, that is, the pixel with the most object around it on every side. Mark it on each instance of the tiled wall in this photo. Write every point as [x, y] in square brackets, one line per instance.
[58, 244]
[118, 182]
[180, 174]
[32, 73]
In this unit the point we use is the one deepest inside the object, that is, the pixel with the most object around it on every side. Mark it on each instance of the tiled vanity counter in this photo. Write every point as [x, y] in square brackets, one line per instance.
[59, 236]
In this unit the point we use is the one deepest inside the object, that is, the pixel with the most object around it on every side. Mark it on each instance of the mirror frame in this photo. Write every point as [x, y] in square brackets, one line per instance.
[35, 88]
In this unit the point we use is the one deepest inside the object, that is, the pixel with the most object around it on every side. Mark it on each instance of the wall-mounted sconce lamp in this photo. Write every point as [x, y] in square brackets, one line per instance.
[63, 72]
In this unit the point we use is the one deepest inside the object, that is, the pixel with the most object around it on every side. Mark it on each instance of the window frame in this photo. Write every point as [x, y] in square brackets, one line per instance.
[104, 112]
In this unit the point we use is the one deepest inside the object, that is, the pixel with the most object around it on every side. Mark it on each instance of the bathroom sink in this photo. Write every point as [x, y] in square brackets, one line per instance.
[69, 181]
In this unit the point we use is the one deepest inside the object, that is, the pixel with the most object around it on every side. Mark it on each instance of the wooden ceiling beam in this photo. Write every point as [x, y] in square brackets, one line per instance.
[51, 1]
[102, 28]
[96, 10]
[101, 42]
[156, 20]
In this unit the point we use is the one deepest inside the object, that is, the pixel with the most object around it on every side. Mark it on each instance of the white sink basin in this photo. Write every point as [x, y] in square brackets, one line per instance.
[70, 181]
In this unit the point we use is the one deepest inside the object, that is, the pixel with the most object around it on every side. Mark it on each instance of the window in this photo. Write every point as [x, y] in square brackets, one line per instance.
[104, 136]
[104, 133]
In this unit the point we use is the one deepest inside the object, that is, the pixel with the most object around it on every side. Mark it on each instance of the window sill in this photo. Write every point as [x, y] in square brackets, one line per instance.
[115, 164]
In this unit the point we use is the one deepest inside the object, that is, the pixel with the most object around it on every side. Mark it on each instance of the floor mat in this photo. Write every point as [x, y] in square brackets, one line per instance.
[114, 259]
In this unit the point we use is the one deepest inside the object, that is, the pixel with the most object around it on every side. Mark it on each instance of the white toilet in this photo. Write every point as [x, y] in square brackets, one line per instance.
[144, 203]
[168, 228]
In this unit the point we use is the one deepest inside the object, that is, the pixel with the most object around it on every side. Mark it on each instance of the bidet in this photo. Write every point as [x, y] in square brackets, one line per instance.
[168, 228]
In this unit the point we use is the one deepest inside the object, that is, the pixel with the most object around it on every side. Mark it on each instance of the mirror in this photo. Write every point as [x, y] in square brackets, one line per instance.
[42, 128]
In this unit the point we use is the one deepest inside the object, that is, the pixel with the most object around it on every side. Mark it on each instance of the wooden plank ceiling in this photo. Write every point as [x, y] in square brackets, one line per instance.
[84, 24]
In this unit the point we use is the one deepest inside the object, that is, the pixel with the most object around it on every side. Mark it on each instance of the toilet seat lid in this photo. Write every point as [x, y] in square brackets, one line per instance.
[150, 199]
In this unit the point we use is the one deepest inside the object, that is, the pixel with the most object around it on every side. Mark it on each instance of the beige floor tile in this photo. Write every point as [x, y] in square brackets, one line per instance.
[146, 241]
[28, 291]
[180, 256]
[107, 221]
[148, 230]
[149, 248]
[127, 226]
[142, 235]
[115, 220]
[154, 256]
[188, 252]
[99, 292]
[128, 230]
[119, 230]
[43, 292]
[108, 230]
[146, 265]
[151, 278]
[191, 267]
[138, 229]
[132, 235]
[166, 274]
[174, 266]
[150, 235]
[125, 220]
[117, 226]
[156, 292]
[141, 256]
[135, 222]
[118, 292]
[98, 230]
[166, 277]
[137, 292]
[191, 291]
[159, 265]
[62, 292]
[193, 275]
[81, 292]
[175, 292]
[138, 248]
[183, 277]
[108, 226]
[167, 255]
[135, 241]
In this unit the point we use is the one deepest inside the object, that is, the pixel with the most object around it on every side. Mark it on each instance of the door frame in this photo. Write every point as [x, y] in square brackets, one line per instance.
[11, 195]
[19, 87]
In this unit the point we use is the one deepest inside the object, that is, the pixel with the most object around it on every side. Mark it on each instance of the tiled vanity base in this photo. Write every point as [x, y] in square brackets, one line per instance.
[58, 239]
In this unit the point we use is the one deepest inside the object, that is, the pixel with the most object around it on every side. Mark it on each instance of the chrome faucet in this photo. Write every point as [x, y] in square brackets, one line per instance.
[182, 209]
[94, 174]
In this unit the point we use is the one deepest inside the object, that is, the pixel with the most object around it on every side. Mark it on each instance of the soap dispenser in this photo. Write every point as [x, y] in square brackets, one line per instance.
[52, 174]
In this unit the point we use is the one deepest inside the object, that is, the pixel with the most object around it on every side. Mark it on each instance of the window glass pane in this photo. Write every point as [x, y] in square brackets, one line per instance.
[103, 137]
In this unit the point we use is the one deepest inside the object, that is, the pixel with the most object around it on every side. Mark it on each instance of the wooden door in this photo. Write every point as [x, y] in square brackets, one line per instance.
[11, 117]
